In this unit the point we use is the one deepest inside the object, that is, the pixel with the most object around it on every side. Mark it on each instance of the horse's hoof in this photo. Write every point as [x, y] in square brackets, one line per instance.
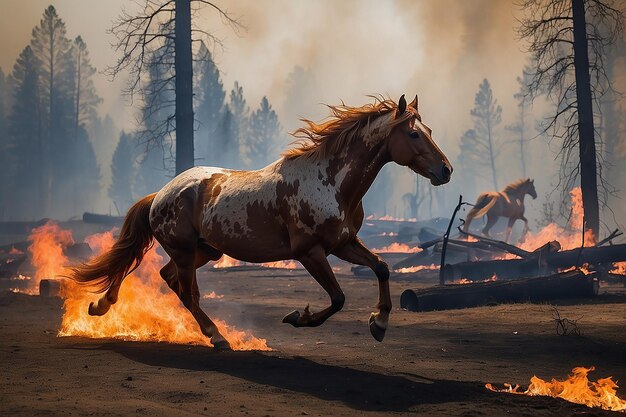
[94, 310]
[222, 346]
[375, 329]
[292, 318]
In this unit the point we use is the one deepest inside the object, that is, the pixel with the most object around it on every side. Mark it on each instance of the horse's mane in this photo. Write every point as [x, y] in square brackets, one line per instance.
[319, 141]
[516, 184]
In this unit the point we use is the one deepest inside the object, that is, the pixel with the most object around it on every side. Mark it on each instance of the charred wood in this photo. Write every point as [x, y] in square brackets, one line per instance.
[566, 285]
[547, 259]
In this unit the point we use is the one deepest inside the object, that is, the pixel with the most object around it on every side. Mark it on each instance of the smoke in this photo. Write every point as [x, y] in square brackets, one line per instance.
[305, 54]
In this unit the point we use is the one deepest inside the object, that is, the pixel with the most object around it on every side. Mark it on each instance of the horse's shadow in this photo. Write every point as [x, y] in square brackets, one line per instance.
[357, 389]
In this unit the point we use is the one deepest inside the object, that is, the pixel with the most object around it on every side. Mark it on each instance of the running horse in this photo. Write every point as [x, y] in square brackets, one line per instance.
[304, 206]
[508, 203]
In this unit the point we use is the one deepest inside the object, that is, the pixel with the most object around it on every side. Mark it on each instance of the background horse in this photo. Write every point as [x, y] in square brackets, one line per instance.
[508, 203]
[304, 206]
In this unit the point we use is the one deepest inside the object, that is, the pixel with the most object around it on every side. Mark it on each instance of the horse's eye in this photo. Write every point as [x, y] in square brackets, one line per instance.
[414, 134]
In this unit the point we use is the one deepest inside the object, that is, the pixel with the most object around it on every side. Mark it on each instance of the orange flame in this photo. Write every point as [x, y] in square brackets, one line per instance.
[146, 310]
[418, 268]
[48, 258]
[15, 251]
[619, 268]
[569, 238]
[494, 277]
[227, 262]
[398, 248]
[212, 296]
[391, 218]
[576, 388]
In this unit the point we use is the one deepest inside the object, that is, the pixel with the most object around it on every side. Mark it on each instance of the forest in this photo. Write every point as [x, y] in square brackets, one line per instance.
[63, 154]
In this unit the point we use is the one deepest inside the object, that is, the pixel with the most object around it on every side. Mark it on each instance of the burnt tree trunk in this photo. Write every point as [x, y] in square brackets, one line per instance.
[184, 88]
[566, 285]
[515, 268]
[586, 141]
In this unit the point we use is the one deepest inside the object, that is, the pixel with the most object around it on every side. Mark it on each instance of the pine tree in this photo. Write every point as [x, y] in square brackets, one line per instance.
[86, 99]
[5, 161]
[264, 134]
[520, 127]
[123, 171]
[155, 139]
[27, 140]
[51, 47]
[226, 136]
[210, 97]
[483, 145]
[241, 119]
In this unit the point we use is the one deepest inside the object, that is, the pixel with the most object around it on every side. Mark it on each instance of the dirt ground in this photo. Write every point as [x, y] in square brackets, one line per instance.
[431, 364]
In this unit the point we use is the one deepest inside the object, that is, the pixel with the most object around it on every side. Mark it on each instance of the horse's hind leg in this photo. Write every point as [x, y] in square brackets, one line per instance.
[104, 303]
[185, 263]
[491, 221]
[509, 228]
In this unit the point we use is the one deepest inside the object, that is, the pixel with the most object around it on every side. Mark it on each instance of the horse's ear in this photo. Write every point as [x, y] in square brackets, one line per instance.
[414, 103]
[401, 106]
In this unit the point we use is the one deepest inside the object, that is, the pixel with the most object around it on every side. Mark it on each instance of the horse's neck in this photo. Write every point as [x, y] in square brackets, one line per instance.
[517, 194]
[364, 165]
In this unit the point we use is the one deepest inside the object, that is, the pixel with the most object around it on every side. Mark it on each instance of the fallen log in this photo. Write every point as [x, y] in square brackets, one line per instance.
[548, 261]
[565, 285]
[102, 219]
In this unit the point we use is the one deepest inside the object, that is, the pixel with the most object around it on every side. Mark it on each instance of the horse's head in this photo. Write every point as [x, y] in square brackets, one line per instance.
[411, 144]
[531, 188]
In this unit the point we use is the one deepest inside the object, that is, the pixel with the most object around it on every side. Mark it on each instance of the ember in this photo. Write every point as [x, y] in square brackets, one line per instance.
[576, 388]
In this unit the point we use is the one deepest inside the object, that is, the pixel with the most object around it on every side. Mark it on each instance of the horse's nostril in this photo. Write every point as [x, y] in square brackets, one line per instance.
[446, 172]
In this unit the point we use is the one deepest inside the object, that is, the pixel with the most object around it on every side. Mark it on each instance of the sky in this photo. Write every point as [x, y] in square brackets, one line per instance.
[349, 49]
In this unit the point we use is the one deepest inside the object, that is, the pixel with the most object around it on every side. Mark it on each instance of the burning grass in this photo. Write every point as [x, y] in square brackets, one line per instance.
[576, 389]
[147, 310]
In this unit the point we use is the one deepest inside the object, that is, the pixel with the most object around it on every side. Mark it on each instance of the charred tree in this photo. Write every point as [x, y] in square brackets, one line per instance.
[586, 140]
[184, 86]
[139, 35]
[567, 40]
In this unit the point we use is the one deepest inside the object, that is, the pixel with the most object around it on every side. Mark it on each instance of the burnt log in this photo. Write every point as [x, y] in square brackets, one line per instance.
[104, 219]
[50, 288]
[547, 261]
[565, 285]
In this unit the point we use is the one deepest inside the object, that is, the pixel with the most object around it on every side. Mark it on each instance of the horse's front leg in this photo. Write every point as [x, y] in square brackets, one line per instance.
[317, 265]
[355, 252]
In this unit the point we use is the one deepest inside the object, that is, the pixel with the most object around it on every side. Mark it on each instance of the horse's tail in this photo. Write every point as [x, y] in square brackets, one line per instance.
[110, 268]
[484, 203]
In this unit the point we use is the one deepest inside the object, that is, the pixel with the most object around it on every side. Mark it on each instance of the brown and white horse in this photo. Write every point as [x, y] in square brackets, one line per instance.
[304, 206]
[508, 203]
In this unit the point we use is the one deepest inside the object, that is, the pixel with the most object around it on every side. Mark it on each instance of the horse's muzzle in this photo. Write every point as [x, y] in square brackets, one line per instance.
[441, 177]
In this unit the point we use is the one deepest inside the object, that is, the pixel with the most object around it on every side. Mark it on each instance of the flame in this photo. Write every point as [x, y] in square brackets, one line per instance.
[48, 258]
[227, 262]
[619, 268]
[212, 295]
[494, 277]
[398, 248]
[576, 388]
[15, 251]
[391, 218]
[146, 310]
[417, 268]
